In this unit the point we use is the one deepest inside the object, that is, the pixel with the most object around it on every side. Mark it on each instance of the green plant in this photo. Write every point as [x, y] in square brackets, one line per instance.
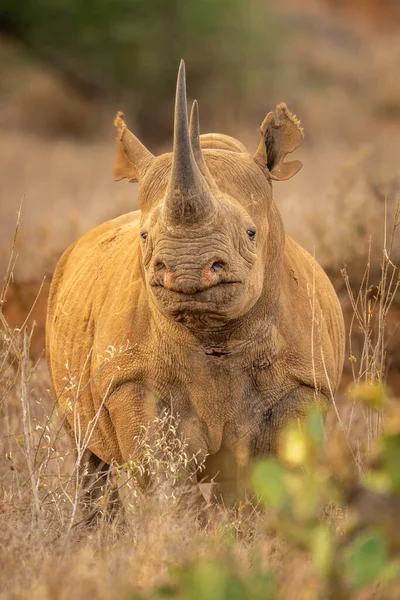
[312, 483]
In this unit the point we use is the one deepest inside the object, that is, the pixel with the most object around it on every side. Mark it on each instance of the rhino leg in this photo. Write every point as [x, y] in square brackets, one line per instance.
[291, 407]
[130, 407]
[230, 470]
[99, 499]
[223, 475]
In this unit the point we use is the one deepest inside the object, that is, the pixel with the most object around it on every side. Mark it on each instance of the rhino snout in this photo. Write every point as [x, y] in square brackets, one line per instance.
[193, 278]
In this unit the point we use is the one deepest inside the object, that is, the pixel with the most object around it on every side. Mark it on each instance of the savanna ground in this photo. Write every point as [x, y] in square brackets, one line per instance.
[324, 523]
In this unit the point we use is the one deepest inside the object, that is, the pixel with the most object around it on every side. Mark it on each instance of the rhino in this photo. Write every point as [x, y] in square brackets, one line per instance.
[198, 301]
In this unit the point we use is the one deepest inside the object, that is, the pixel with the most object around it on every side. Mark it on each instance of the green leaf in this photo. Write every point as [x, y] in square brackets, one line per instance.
[373, 395]
[268, 480]
[307, 489]
[365, 559]
[235, 590]
[378, 481]
[391, 459]
[296, 448]
[322, 549]
[263, 586]
[315, 425]
[167, 591]
[391, 572]
[206, 580]
[211, 580]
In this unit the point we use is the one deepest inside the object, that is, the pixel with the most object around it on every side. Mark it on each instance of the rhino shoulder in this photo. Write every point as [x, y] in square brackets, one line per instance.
[94, 280]
[301, 267]
[108, 232]
[87, 266]
[306, 287]
[96, 244]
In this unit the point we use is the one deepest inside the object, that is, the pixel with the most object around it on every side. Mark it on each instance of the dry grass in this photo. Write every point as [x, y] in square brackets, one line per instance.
[333, 207]
[46, 550]
[67, 188]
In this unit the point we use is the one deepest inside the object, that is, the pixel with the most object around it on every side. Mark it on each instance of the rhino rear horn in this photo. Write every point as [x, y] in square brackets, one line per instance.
[194, 130]
[188, 200]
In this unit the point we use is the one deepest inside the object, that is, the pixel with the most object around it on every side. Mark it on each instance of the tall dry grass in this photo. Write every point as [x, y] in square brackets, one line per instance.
[159, 549]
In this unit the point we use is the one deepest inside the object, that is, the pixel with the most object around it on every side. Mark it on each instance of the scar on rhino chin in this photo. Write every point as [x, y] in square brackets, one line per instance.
[216, 352]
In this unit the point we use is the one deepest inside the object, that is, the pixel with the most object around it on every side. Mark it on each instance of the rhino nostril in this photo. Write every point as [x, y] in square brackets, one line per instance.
[159, 266]
[218, 265]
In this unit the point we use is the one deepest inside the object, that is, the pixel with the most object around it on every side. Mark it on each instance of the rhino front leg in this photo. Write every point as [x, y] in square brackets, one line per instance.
[99, 498]
[130, 408]
[291, 407]
[261, 441]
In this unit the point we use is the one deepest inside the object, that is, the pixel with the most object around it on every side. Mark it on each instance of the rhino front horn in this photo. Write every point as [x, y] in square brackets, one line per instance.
[189, 200]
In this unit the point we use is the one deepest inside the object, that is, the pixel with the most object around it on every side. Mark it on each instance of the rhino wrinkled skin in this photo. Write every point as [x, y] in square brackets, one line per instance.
[197, 304]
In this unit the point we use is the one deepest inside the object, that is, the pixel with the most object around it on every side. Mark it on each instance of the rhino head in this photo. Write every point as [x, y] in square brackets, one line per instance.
[212, 240]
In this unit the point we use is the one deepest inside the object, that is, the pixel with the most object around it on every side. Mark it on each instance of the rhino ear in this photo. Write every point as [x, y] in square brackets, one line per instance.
[281, 134]
[123, 168]
[132, 159]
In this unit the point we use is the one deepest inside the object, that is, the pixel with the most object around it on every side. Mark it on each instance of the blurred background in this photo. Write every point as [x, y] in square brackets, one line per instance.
[68, 66]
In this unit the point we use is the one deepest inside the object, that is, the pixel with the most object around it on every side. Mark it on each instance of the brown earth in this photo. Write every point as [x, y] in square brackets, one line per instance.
[26, 306]
[379, 14]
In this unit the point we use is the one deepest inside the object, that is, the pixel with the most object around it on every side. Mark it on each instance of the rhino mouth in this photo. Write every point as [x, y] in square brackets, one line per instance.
[194, 293]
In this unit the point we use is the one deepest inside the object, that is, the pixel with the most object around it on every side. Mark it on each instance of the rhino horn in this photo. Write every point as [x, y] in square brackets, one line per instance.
[194, 129]
[189, 200]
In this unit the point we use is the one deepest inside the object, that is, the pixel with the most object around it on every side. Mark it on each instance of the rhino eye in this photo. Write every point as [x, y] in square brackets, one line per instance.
[144, 235]
[252, 234]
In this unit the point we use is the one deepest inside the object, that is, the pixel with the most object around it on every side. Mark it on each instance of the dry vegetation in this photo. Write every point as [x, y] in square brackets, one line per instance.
[326, 525]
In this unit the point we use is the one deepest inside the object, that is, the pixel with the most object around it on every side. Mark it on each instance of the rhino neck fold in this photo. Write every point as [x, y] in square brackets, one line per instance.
[211, 332]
